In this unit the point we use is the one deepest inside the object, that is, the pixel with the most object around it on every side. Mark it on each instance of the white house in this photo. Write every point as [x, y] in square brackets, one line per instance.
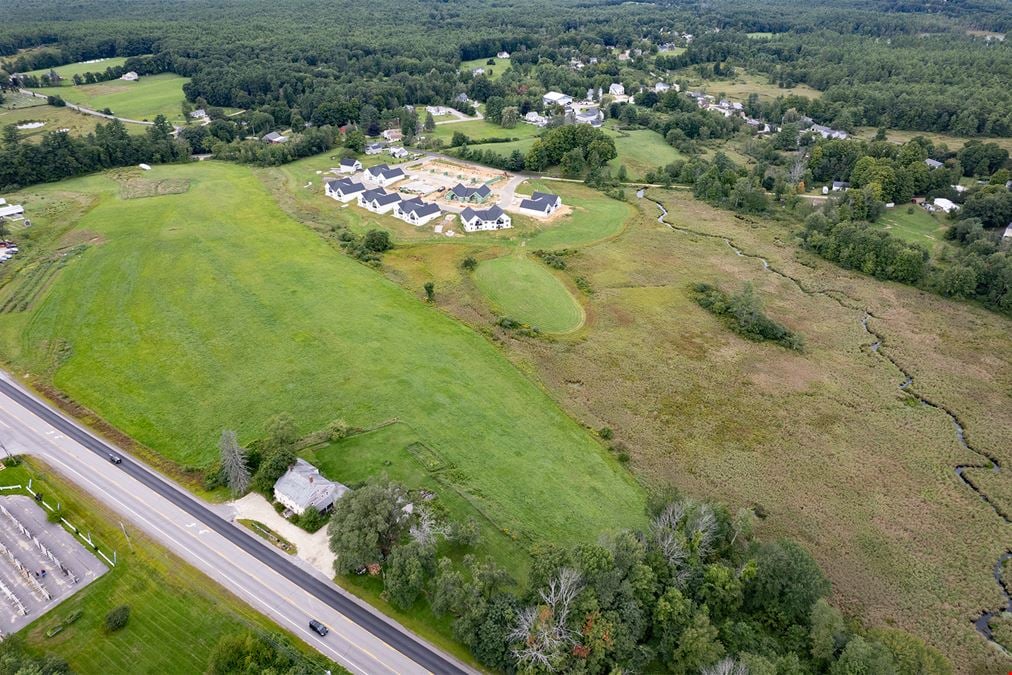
[383, 175]
[392, 135]
[840, 186]
[541, 204]
[398, 152]
[343, 190]
[536, 119]
[130, 77]
[415, 211]
[302, 487]
[374, 148]
[199, 114]
[826, 132]
[492, 218]
[943, 204]
[661, 87]
[556, 98]
[350, 165]
[933, 163]
[12, 211]
[477, 71]
[616, 89]
[503, 55]
[378, 200]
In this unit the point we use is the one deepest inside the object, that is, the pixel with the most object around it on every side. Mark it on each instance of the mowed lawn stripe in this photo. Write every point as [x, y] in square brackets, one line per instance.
[525, 290]
[212, 309]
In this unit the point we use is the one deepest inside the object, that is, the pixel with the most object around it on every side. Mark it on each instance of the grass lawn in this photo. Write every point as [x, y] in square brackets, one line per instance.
[144, 99]
[641, 150]
[506, 149]
[953, 142]
[743, 84]
[68, 71]
[480, 129]
[595, 216]
[177, 616]
[54, 118]
[525, 290]
[215, 294]
[918, 226]
[500, 67]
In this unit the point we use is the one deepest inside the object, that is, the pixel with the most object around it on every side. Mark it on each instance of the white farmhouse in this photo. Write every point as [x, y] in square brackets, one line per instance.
[11, 211]
[943, 204]
[302, 487]
[343, 190]
[616, 89]
[130, 77]
[378, 200]
[350, 165]
[383, 175]
[415, 211]
[492, 218]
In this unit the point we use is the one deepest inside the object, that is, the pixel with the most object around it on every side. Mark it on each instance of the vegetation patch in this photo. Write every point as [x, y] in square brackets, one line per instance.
[270, 535]
[530, 293]
[143, 100]
[137, 187]
[743, 313]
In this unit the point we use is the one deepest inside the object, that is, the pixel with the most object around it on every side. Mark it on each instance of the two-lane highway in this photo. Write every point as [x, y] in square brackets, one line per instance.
[361, 639]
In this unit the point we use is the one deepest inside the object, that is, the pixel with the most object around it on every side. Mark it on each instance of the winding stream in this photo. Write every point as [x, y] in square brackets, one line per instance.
[983, 622]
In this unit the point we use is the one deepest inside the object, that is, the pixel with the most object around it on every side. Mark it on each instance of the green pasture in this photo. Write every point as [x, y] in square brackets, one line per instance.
[144, 99]
[54, 119]
[68, 71]
[918, 226]
[593, 217]
[500, 67]
[480, 129]
[641, 150]
[525, 290]
[211, 309]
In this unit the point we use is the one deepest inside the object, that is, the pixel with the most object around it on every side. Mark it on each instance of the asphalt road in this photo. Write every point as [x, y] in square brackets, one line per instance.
[360, 638]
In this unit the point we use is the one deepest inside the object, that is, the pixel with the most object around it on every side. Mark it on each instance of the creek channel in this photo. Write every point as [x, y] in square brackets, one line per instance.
[988, 461]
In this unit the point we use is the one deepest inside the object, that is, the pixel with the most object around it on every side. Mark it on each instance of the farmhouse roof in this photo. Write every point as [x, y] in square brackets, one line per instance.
[490, 213]
[349, 161]
[462, 191]
[346, 186]
[933, 163]
[418, 207]
[304, 486]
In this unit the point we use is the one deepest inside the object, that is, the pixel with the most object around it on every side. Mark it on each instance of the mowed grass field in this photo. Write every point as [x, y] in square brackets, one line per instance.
[177, 615]
[68, 71]
[914, 224]
[641, 150]
[525, 290]
[497, 70]
[743, 84]
[594, 216]
[479, 129]
[217, 296]
[143, 100]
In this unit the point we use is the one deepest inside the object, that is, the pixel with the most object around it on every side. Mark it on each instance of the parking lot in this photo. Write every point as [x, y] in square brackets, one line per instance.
[30, 544]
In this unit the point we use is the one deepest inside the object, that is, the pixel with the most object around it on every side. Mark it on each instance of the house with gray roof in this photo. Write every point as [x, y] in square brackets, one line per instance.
[415, 211]
[303, 487]
[471, 195]
[274, 137]
[492, 218]
[383, 175]
[343, 190]
[933, 163]
[378, 200]
[541, 204]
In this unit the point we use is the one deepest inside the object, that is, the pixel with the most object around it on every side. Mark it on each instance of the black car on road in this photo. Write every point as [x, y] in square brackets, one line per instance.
[318, 627]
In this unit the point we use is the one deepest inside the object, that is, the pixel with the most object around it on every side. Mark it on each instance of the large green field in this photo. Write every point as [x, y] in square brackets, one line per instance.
[190, 313]
[176, 616]
[594, 216]
[480, 129]
[142, 100]
[525, 290]
[493, 72]
[641, 150]
[914, 224]
[68, 71]
[53, 119]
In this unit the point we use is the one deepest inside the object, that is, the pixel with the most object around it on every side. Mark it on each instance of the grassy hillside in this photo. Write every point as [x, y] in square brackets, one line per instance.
[144, 99]
[68, 71]
[526, 290]
[216, 296]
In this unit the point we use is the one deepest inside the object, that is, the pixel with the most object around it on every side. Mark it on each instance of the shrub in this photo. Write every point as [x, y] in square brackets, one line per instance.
[311, 520]
[743, 312]
[606, 433]
[337, 430]
[117, 618]
[469, 264]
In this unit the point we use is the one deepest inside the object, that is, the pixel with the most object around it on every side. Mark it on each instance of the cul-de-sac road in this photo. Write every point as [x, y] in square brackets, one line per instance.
[360, 638]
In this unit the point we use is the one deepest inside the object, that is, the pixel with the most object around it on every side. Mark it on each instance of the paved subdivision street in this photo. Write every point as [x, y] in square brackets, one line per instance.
[288, 591]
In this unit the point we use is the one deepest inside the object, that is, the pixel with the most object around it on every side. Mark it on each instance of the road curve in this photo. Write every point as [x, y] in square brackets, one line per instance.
[361, 639]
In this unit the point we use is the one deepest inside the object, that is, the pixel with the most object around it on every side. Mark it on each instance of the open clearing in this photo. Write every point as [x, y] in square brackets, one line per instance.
[524, 289]
[493, 72]
[480, 129]
[917, 226]
[77, 124]
[68, 71]
[641, 150]
[143, 100]
[902, 540]
[217, 294]
[743, 84]
[953, 142]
